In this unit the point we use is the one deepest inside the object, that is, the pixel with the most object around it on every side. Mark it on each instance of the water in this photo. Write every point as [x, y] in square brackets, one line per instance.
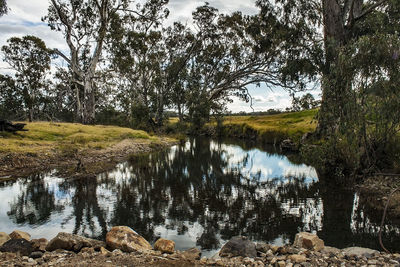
[200, 193]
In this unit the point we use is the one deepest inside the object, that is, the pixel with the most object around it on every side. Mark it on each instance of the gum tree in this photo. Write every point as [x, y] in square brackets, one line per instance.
[30, 58]
[84, 25]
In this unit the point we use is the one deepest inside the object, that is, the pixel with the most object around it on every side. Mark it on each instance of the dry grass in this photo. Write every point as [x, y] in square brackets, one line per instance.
[293, 122]
[45, 136]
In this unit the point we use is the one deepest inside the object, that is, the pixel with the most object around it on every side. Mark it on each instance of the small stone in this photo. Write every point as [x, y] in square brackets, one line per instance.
[274, 249]
[292, 250]
[219, 262]
[165, 245]
[20, 234]
[281, 263]
[104, 251]
[30, 260]
[248, 260]
[39, 244]
[36, 254]
[117, 252]
[203, 260]
[262, 247]
[239, 246]
[87, 250]
[393, 262]
[194, 254]
[289, 264]
[297, 258]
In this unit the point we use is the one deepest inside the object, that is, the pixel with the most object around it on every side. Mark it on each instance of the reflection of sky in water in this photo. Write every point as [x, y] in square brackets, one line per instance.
[269, 165]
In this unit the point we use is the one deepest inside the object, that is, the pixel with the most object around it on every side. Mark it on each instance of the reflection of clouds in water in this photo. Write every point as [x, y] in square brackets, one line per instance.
[270, 165]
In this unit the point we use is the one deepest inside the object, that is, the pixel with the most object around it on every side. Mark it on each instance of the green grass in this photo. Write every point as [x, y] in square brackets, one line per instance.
[268, 127]
[45, 136]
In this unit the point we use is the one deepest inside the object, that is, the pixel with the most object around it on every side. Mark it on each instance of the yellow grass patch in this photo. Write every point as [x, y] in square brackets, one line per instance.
[45, 136]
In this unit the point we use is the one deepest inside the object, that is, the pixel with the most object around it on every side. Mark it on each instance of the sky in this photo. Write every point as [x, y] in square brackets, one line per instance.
[24, 18]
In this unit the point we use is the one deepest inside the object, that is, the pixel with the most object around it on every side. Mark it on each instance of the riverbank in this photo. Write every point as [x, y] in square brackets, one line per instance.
[124, 247]
[74, 148]
[269, 129]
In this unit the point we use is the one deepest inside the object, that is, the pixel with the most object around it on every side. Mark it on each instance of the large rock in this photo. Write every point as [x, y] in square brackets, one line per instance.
[21, 246]
[164, 245]
[239, 246]
[360, 252]
[72, 242]
[39, 244]
[192, 254]
[308, 241]
[4, 237]
[20, 234]
[127, 240]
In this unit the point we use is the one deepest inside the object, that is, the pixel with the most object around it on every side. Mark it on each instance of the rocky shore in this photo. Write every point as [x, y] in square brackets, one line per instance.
[125, 247]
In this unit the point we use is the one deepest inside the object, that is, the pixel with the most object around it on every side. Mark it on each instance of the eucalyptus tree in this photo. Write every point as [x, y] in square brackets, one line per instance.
[329, 25]
[85, 25]
[150, 59]
[229, 58]
[30, 58]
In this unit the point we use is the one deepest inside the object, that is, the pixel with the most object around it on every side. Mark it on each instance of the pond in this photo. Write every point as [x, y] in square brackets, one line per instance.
[199, 193]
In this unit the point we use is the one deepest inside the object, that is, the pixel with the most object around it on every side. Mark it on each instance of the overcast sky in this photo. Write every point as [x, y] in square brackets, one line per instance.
[24, 18]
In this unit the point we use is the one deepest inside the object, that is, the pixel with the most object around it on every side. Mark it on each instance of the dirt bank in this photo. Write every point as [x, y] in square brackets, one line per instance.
[76, 161]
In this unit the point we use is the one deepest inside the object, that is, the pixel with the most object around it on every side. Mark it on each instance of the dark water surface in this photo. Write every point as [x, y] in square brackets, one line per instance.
[200, 193]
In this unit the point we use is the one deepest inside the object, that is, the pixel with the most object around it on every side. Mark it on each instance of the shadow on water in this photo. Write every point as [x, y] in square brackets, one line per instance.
[199, 193]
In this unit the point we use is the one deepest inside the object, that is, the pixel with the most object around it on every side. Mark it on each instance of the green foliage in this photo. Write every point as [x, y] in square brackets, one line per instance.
[30, 58]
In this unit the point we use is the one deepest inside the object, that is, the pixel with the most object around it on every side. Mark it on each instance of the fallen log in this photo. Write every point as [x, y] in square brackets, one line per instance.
[8, 126]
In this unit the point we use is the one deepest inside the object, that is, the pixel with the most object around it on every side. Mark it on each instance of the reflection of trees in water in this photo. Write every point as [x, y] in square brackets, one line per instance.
[197, 183]
[35, 203]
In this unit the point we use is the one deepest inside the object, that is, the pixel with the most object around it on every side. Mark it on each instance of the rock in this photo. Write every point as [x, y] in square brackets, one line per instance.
[359, 252]
[274, 248]
[281, 263]
[192, 254]
[104, 251]
[87, 250]
[165, 245]
[4, 237]
[125, 239]
[20, 234]
[72, 242]
[39, 244]
[36, 254]
[330, 250]
[297, 258]
[262, 247]
[239, 246]
[308, 241]
[21, 246]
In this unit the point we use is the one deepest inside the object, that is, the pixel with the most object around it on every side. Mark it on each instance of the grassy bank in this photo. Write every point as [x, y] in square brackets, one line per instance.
[270, 128]
[45, 136]
[96, 147]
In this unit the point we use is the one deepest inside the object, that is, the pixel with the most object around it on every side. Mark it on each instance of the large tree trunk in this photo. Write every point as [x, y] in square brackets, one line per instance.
[338, 20]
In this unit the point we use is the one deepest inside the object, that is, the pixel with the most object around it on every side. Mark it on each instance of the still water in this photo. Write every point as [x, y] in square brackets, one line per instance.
[199, 193]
